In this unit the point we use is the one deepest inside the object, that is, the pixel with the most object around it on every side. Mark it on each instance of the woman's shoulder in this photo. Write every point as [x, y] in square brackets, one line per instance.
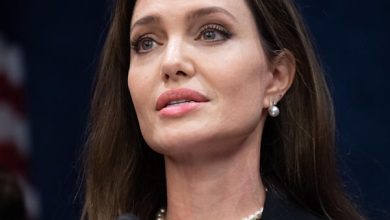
[279, 207]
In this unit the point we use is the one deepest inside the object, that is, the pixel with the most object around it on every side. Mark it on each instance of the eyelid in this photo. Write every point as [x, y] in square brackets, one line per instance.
[214, 26]
[137, 37]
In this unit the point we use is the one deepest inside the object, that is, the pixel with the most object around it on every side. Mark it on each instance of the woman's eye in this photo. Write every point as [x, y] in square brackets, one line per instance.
[144, 45]
[214, 32]
[210, 35]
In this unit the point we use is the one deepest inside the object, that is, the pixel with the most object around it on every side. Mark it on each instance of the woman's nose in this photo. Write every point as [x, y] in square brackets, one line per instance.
[177, 62]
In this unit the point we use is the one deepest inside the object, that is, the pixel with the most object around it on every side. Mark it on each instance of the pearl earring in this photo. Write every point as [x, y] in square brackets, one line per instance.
[273, 110]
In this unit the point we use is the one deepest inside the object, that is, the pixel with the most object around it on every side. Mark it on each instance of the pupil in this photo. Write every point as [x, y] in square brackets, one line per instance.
[209, 35]
[147, 44]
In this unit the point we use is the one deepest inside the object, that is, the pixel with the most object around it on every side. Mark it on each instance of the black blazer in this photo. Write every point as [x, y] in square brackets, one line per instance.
[277, 207]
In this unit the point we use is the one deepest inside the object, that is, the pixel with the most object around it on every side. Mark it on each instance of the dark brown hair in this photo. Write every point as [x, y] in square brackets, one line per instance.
[124, 175]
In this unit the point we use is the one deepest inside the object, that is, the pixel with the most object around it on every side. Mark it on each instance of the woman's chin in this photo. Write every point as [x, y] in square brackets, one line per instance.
[175, 146]
[195, 145]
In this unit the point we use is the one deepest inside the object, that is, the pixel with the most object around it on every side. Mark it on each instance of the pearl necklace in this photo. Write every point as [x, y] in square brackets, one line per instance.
[255, 216]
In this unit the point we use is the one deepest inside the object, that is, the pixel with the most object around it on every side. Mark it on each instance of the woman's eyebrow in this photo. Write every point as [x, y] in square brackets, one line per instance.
[149, 19]
[193, 15]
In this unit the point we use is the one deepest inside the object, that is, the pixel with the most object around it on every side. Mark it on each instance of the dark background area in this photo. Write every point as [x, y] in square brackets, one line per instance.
[61, 41]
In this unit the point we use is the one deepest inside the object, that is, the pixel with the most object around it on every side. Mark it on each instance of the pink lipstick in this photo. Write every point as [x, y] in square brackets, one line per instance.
[178, 102]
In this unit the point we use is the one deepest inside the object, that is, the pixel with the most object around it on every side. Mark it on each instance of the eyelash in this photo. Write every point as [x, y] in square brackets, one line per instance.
[215, 27]
[135, 44]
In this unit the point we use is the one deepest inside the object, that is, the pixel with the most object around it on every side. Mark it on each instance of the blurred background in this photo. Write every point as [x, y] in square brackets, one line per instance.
[48, 58]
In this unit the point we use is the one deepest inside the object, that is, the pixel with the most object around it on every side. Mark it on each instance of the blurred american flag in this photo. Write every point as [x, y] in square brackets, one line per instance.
[14, 130]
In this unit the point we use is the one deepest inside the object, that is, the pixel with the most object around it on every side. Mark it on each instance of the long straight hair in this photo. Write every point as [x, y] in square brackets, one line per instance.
[298, 148]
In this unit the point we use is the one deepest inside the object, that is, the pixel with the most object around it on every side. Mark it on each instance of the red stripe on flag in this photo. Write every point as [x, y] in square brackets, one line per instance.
[12, 160]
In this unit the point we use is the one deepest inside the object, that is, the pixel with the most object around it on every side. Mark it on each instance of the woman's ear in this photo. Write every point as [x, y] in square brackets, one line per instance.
[282, 67]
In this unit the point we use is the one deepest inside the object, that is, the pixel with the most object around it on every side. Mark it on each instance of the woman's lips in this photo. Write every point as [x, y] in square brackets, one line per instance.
[177, 102]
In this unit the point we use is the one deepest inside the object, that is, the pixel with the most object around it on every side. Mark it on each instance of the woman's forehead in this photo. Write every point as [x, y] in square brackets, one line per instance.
[184, 9]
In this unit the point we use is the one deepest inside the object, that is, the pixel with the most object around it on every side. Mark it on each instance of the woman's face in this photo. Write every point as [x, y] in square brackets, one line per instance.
[198, 74]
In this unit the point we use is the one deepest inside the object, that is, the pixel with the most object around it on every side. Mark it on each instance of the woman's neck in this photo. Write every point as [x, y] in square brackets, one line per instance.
[227, 187]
